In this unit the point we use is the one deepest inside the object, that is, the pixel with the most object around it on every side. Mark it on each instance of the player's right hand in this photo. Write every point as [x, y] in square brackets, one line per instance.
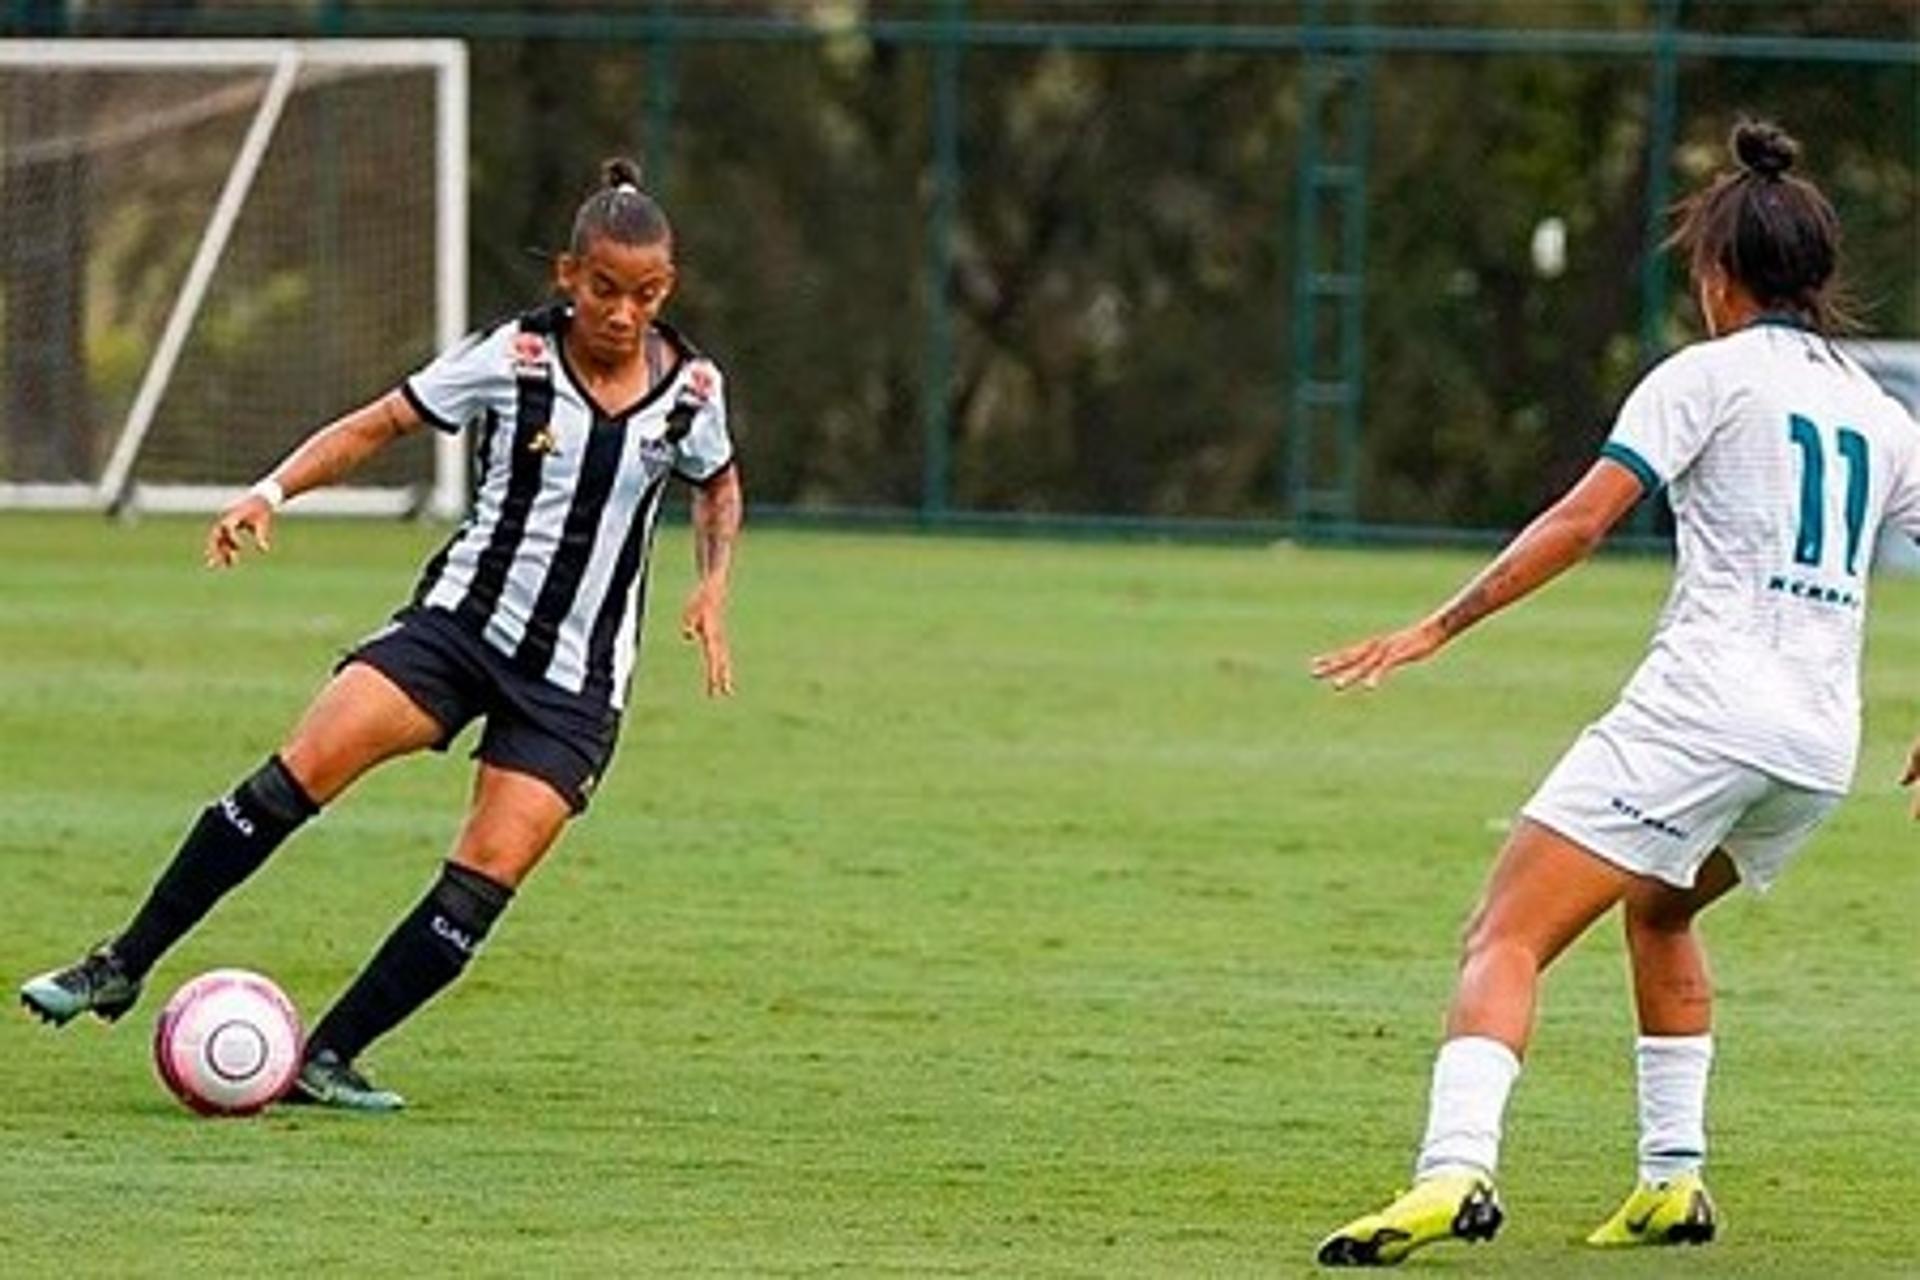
[1367, 663]
[250, 515]
[1910, 778]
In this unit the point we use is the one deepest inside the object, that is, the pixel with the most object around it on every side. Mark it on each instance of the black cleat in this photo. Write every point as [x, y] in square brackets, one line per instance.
[97, 984]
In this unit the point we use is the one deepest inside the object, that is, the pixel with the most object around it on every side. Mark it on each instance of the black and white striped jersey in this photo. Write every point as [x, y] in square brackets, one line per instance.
[550, 565]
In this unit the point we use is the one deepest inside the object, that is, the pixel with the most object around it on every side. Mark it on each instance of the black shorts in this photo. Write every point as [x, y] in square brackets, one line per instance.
[532, 726]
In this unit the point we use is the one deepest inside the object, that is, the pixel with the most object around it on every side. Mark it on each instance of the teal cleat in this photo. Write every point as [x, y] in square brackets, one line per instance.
[326, 1081]
[96, 985]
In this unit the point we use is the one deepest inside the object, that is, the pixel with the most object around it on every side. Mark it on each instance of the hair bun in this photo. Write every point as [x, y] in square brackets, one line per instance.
[1764, 148]
[621, 172]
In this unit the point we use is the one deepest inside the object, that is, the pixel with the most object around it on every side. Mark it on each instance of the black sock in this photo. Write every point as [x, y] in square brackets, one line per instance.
[232, 837]
[424, 953]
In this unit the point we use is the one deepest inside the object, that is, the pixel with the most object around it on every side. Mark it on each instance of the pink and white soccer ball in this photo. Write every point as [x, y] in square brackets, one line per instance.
[228, 1043]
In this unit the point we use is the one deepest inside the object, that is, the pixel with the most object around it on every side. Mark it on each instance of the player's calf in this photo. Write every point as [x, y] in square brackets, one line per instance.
[426, 951]
[229, 841]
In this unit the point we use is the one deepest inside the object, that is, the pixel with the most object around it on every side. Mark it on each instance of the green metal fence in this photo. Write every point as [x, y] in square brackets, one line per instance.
[1219, 267]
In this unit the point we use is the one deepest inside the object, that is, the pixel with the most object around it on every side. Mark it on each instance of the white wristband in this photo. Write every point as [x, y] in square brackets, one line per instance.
[270, 490]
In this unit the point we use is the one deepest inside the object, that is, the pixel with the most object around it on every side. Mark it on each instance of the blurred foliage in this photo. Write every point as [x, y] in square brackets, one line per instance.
[1122, 292]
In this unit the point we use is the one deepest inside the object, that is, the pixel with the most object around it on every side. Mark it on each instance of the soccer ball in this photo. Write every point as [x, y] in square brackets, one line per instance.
[228, 1043]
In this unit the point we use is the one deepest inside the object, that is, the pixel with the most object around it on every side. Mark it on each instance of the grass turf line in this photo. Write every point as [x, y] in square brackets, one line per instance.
[1029, 913]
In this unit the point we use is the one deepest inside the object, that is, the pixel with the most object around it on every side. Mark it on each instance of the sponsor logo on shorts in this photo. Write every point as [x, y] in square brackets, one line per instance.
[1628, 809]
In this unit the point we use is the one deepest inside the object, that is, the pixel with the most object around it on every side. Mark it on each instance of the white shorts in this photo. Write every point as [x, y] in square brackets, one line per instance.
[1658, 809]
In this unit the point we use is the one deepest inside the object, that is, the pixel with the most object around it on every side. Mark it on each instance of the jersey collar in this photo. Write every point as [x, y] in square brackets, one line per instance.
[1779, 320]
[564, 317]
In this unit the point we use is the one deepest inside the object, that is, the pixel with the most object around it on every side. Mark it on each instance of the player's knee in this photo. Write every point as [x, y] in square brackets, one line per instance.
[506, 862]
[309, 770]
[1654, 924]
[277, 791]
[1475, 943]
[468, 901]
[1658, 913]
[1474, 931]
[1486, 943]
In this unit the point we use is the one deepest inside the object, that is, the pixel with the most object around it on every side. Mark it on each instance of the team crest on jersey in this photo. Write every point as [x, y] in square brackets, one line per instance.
[696, 392]
[544, 442]
[531, 359]
[701, 382]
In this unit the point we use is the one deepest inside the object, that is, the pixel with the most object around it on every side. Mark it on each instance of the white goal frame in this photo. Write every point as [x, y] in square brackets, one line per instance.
[116, 490]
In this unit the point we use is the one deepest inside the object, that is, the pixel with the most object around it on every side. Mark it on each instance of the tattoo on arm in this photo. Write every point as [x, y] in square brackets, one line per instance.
[1463, 611]
[1541, 552]
[716, 525]
[1476, 600]
[338, 448]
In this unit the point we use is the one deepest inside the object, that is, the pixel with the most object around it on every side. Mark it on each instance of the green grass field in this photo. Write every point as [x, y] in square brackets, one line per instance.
[1029, 913]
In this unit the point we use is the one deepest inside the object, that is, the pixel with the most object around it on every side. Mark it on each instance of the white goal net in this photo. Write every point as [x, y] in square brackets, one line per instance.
[208, 248]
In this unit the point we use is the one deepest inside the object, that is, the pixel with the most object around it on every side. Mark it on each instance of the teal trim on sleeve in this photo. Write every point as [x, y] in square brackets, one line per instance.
[1624, 455]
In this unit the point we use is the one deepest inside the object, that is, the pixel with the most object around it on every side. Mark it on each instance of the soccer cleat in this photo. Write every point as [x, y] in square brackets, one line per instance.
[326, 1081]
[1677, 1211]
[97, 984]
[1455, 1206]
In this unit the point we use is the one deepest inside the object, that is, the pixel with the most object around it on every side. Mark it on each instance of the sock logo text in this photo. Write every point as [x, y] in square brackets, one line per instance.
[460, 938]
[241, 822]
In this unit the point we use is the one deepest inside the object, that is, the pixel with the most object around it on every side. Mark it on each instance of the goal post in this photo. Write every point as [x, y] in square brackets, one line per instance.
[210, 247]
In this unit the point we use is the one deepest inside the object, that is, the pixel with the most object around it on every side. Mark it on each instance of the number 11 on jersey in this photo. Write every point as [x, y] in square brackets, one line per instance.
[1852, 447]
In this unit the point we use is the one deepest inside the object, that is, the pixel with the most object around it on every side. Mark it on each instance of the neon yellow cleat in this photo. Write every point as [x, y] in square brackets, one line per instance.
[1455, 1206]
[1678, 1211]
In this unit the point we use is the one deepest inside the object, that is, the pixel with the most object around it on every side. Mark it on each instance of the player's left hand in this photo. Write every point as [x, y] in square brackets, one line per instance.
[1911, 776]
[1368, 662]
[703, 621]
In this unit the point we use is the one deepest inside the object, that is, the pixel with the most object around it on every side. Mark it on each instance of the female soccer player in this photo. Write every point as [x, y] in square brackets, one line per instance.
[528, 618]
[1734, 739]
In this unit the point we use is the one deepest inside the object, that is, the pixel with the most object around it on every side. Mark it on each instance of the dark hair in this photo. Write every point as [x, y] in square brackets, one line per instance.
[620, 210]
[1774, 233]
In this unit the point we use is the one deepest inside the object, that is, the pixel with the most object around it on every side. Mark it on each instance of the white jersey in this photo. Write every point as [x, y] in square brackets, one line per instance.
[1783, 459]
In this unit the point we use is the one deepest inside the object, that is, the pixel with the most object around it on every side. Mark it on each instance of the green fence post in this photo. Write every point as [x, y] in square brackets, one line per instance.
[1330, 213]
[1660, 131]
[324, 167]
[1653, 266]
[936, 397]
[662, 39]
[40, 17]
[1296, 459]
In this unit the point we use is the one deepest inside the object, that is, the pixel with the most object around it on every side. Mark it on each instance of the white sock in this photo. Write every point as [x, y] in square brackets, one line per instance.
[1472, 1077]
[1673, 1104]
